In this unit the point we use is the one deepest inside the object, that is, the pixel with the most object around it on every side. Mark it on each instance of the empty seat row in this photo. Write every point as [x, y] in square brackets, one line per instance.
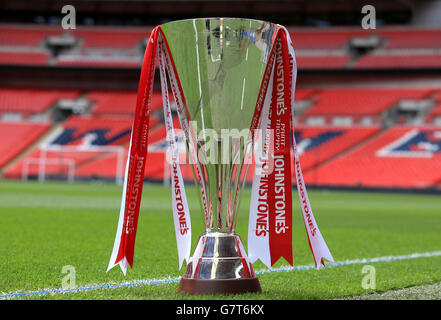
[32, 100]
[360, 101]
[392, 38]
[399, 60]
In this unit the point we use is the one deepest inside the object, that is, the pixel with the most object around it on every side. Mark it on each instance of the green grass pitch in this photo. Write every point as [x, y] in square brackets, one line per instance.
[50, 225]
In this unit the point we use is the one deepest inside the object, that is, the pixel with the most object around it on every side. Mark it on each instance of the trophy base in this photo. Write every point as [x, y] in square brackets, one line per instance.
[219, 265]
[220, 286]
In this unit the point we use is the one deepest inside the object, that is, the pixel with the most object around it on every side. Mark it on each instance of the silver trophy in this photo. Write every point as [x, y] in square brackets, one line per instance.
[220, 63]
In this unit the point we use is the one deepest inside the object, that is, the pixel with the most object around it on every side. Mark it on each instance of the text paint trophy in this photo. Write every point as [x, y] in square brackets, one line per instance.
[233, 83]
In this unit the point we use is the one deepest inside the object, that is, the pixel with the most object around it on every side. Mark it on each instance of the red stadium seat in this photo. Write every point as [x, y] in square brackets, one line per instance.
[111, 37]
[302, 94]
[91, 37]
[106, 166]
[100, 62]
[401, 157]
[401, 60]
[435, 113]
[32, 100]
[119, 103]
[26, 35]
[360, 102]
[92, 135]
[16, 137]
[319, 144]
[322, 62]
[411, 38]
[122, 103]
[330, 39]
[24, 58]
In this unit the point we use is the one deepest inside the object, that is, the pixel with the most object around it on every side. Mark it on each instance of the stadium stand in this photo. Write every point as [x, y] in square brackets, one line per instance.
[97, 47]
[105, 167]
[37, 58]
[316, 145]
[399, 60]
[108, 123]
[406, 38]
[98, 59]
[434, 115]
[329, 39]
[79, 139]
[32, 101]
[388, 48]
[92, 132]
[347, 136]
[119, 103]
[318, 48]
[26, 35]
[319, 144]
[24, 45]
[16, 137]
[105, 37]
[302, 94]
[356, 103]
[322, 62]
[401, 157]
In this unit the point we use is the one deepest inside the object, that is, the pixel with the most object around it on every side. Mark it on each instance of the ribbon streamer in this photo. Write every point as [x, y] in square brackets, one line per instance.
[181, 213]
[124, 245]
[267, 215]
[123, 249]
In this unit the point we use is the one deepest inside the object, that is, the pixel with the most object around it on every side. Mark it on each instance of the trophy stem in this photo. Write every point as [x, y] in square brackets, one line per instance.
[219, 265]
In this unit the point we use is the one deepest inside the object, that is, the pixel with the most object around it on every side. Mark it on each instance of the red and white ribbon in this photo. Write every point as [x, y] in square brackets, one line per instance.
[258, 225]
[316, 242]
[123, 249]
[124, 245]
[181, 213]
[270, 221]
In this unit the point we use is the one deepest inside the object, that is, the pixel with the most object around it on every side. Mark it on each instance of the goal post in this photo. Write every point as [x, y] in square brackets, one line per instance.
[52, 155]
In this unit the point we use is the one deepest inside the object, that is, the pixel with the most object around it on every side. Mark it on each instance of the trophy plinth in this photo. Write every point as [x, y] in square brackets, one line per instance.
[219, 265]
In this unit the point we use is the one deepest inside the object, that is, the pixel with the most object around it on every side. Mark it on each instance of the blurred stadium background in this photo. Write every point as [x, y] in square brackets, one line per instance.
[368, 102]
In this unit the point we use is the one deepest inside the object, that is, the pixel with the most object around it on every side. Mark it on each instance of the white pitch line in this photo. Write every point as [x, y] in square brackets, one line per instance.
[112, 285]
[243, 91]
